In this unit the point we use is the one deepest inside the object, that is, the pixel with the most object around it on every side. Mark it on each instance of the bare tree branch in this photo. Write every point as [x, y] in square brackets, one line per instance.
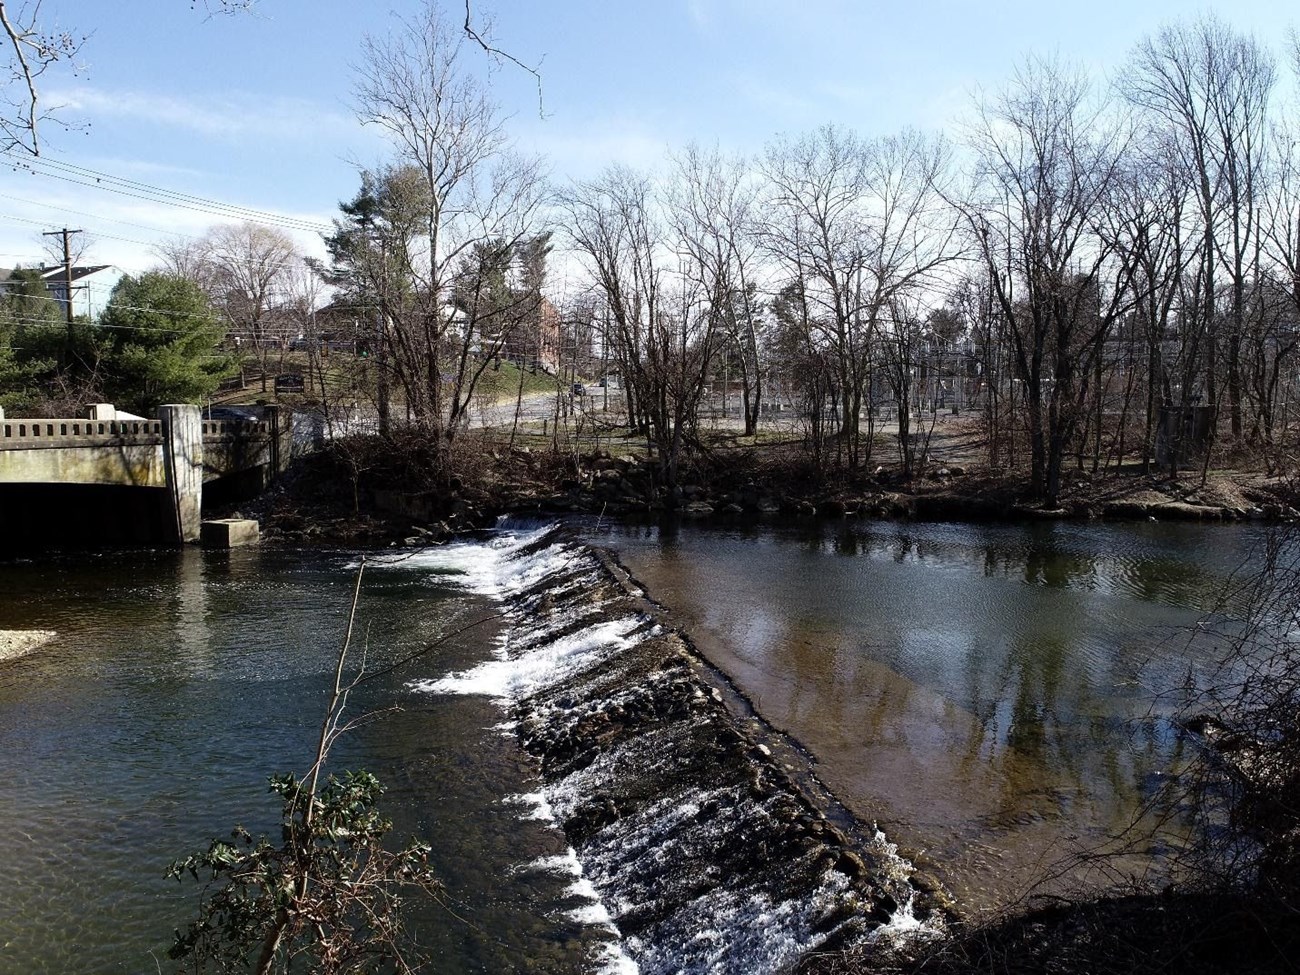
[34, 51]
[499, 54]
[37, 49]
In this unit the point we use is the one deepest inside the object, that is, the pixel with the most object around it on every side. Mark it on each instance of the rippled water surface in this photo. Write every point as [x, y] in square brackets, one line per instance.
[987, 693]
[179, 681]
[990, 694]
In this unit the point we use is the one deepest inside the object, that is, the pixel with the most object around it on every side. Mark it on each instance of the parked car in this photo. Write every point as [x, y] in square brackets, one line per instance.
[579, 389]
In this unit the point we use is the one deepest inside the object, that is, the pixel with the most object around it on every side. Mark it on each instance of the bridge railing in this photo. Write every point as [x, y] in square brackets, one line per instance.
[39, 431]
[51, 432]
[236, 428]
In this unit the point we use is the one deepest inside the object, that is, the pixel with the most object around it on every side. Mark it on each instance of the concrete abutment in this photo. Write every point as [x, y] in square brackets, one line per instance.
[182, 431]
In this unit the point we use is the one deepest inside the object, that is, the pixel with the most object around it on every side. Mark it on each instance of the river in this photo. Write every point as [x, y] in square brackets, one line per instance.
[996, 697]
[179, 682]
[984, 693]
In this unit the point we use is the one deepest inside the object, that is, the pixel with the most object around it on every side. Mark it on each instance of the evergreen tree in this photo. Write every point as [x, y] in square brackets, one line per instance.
[161, 338]
[33, 340]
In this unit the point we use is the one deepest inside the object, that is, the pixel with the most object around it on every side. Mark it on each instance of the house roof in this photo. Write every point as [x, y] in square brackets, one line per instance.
[55, 273]
[79, 271]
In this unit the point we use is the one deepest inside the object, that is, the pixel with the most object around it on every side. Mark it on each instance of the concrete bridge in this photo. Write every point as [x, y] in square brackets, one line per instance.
[179, 452]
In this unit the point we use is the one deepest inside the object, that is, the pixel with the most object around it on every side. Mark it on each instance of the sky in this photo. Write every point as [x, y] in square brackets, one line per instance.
[181, 119]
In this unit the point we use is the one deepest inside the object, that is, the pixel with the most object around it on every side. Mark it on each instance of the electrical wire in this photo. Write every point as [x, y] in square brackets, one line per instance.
[135, 189]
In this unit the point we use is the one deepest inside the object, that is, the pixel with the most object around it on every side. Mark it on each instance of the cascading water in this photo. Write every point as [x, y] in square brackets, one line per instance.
[692, 844]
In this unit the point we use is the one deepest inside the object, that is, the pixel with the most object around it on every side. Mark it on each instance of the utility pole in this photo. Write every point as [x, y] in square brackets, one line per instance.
[66, 234]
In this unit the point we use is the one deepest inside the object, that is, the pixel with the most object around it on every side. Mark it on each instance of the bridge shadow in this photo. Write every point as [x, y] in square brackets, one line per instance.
[38, 517]
[43, 517]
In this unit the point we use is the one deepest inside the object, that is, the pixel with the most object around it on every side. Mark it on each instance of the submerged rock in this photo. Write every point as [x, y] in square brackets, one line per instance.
[19, 643]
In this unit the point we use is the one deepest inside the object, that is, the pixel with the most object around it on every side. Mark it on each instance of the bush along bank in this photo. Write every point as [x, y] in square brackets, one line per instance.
[382, 492]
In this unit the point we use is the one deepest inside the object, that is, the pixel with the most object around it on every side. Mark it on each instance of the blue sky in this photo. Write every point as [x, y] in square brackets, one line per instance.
[254, 110]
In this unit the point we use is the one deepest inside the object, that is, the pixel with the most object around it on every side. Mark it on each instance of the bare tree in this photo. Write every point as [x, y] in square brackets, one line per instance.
[468, 193]
[818, 228]
[612, 225]
[713, 206]
[1148, 225]
[1208, 86]
[35, 46]
[664, 321]
[1046, 166]
[1281, 275]
[859, 223]
[248, 266]
[187, 257]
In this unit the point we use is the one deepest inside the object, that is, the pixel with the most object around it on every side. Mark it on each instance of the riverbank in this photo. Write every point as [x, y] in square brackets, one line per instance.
[371, 492]
[1193, 932]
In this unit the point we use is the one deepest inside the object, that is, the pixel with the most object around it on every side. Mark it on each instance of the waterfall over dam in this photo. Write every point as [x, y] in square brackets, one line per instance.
[697, 840]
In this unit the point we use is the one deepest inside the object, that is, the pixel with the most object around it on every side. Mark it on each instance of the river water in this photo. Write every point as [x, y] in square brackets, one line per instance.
[984, 693]
[180, 681]
[996, 697]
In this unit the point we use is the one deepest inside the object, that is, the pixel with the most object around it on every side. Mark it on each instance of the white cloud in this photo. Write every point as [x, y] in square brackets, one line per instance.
[123, 231]
[778, 102]
[700, 12]
[234, 115]
[786, 16]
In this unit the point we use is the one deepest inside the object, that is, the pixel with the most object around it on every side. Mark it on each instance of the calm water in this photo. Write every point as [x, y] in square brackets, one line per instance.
[178, 683]
[989, 694]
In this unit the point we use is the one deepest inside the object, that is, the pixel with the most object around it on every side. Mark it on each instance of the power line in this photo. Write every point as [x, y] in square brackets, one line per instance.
[94, 179]
[99, 234]
[72, 173]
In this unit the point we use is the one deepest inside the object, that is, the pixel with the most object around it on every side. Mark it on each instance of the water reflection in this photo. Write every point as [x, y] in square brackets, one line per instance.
[179, 681]
[987, 692]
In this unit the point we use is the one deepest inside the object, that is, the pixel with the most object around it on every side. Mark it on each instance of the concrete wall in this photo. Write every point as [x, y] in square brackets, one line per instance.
[62, 451]
[81, 452]
[172, 457]
[182, 446]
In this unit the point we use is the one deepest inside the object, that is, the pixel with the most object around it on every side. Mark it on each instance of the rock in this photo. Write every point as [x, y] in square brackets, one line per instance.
[1125, 509]
[733, 509]
[805, 508]
[851, 865]
[698, 509]
[1183, 511]
[18, 643]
